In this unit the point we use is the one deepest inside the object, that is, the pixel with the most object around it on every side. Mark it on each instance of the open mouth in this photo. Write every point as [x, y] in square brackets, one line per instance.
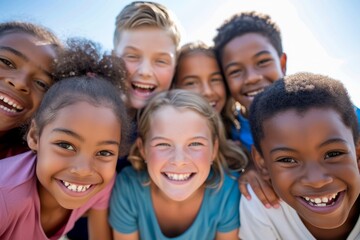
[213, 104]
[178, 176]
[324, 201]
[143, 88]
[75, 187]
[253, 93]
[9, 105]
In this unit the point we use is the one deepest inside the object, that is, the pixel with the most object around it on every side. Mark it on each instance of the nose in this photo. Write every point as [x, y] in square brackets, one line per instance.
[145, 68]
[315, 176]
[20, 82]
[180, 157]
[82, 166]
[207, 90]
[253, 76]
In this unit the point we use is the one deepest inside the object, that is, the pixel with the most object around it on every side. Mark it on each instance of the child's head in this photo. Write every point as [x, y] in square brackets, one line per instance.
[27, 52]
[180, 139]
[305, 133]
[80, 125]
[146, 37]
[249, 49]
[197, 70]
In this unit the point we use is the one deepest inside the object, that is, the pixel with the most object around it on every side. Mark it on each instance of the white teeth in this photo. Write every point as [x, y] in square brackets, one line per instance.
[178, 177]
[74, 187]
[254, 93]
[143, 86]
[320, 201]
[213, 104]
[7, 109]
[11, 103]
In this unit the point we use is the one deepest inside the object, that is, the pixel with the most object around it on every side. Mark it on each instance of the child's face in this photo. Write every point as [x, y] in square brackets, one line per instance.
[311, 162]
[201, 74]
[25, 67]
[251, 63]
[149, 54]
[76, 154]
[179, 151]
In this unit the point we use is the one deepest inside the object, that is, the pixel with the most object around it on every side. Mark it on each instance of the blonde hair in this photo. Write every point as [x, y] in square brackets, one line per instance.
[142, 13]
[229, 155]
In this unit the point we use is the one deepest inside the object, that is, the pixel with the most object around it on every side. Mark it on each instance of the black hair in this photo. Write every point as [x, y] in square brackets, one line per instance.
[86, 75]
[247, 22]
[301, 92]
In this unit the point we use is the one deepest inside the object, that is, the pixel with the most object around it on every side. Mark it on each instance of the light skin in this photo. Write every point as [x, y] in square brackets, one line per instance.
[251, 63]
[150, 57]
[76, 158]
[178, 161]
[25, 66]
[315, 152]
[200, 73]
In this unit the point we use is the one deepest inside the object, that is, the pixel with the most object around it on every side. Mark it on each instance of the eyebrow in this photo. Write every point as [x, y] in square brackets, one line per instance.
[256, 55]
[77, 136]
[164, 138]
[24, 57]
[287, 149]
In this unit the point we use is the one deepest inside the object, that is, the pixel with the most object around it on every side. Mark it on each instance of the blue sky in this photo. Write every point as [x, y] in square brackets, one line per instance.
[320, 36]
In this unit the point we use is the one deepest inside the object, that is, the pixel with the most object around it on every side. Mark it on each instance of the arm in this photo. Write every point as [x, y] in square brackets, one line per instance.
[233, 235]
[98, 225]
[262, 188]
[123, 236]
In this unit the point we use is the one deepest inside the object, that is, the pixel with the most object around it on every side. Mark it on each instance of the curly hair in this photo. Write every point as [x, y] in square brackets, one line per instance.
[229, 155]
[84, 74]
[247, 22]
[301, 92]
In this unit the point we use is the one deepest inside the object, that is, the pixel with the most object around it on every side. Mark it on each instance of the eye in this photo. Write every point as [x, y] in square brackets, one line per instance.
[42, 85]
[286, 160]
[264, 62]
[162, 145]
[235, 72]
[162, 61]
[196, 144]
[105, 153]
[7, 63]
[216, 80]
[131, 57]
[66, 146]
[333, 154]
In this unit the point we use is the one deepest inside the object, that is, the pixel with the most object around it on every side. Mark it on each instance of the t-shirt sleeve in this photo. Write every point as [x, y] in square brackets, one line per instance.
[254, 224]
[123, 213]
[230, 218]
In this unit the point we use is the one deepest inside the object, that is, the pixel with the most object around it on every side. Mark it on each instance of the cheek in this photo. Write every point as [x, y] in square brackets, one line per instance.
[164, 77]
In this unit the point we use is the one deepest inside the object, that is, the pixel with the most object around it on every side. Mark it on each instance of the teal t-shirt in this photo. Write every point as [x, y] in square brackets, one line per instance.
[131, 209]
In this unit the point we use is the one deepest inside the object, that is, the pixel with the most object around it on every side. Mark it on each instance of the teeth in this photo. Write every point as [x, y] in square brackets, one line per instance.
[11, 103]
[320, 201]
[74, 187]
[143, 86]
[254, 93]
[178, 177]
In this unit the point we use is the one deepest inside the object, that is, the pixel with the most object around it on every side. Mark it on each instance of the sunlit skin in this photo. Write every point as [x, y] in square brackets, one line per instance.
[313, 156]
[200, 73]
[150, 58]
[251, 63]
[80, 146]
[25, 67]
[185, 152]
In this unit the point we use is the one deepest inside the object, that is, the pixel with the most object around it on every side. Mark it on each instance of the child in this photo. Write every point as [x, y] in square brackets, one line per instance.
[75, 138]
[249, 50]
[178, 187]
[305, 133]
[26, 54]
[146, 37]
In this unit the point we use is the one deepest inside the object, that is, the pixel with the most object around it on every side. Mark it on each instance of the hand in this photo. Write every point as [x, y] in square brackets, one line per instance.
[262, 188]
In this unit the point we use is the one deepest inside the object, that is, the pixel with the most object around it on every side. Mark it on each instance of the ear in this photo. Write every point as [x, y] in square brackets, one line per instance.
[33, 137]
[260, 163]
[215, 149]
[283, 60]
[140, 145]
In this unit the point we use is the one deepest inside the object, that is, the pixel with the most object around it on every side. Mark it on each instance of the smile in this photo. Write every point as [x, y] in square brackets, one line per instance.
[254, 93]
[143, 87]
[178, 176]
[75, 187]
[323, 201]
[9, 105]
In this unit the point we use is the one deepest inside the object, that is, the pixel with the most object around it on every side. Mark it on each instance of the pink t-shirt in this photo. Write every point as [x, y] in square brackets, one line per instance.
[20, 204]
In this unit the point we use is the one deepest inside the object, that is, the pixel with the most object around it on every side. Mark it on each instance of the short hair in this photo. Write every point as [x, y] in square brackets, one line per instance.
[144, 13]
[37, 31]
[248, 22]
[301, 92]
[84, 74]
[229, 155]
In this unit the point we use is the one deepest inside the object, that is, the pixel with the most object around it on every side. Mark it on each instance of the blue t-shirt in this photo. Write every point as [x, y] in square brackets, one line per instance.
[131, 209]
[244, 133]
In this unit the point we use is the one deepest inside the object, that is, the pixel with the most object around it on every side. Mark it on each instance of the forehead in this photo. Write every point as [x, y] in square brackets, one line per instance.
[310, 128]
[147, 39]
[198, 62]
